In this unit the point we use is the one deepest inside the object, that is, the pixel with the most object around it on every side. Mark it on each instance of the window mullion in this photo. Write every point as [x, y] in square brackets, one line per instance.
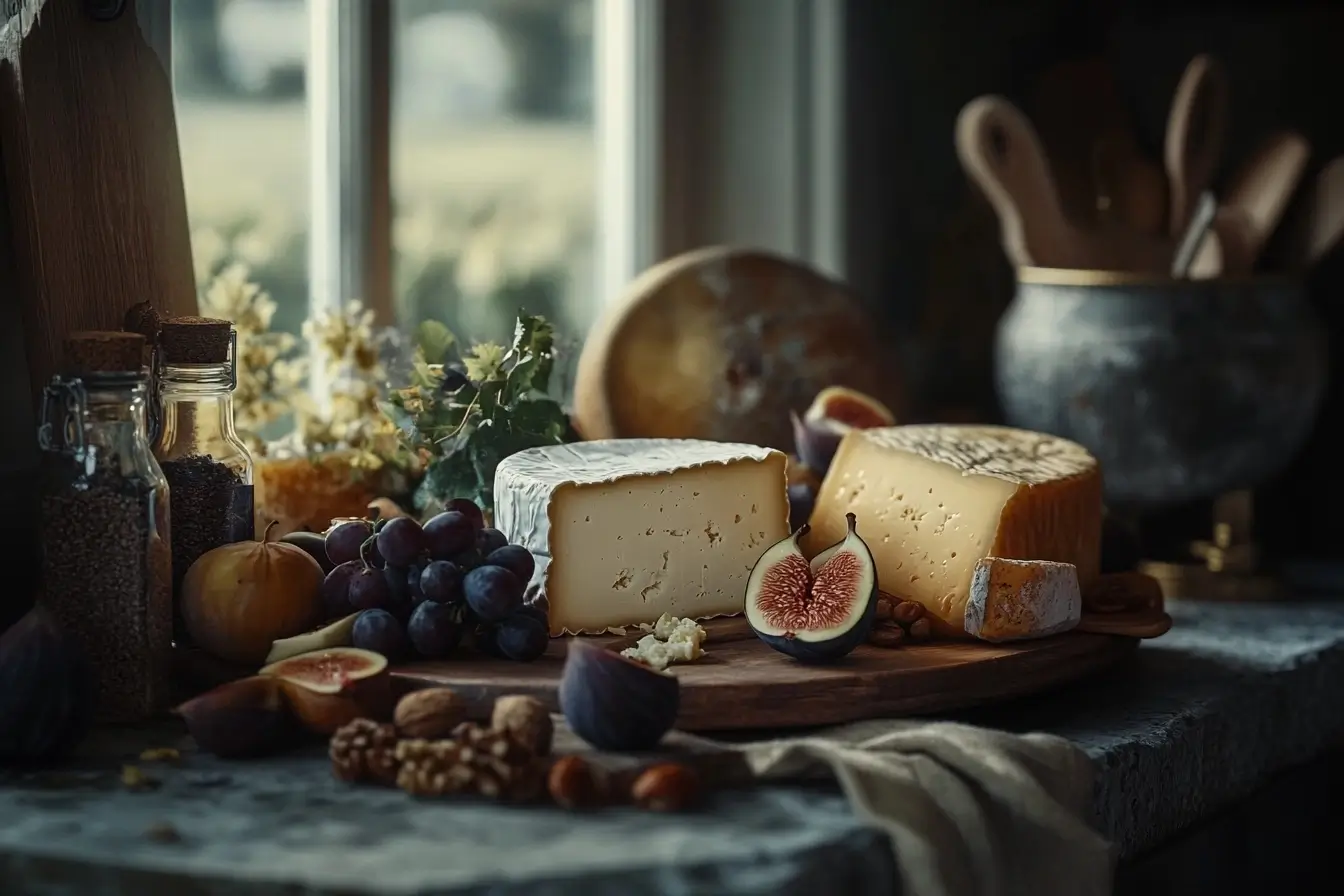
[628, 79]
[348, 76]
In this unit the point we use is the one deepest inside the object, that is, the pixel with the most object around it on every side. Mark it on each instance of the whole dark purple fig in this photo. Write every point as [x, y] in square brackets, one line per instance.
[615, 703]
[46, 697]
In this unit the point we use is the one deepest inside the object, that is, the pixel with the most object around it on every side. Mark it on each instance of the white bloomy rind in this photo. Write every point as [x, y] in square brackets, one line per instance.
[777, 552]
[625, 530]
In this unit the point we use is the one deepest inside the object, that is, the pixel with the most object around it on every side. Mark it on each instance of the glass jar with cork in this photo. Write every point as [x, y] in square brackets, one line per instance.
[208, 467]
[104, 523]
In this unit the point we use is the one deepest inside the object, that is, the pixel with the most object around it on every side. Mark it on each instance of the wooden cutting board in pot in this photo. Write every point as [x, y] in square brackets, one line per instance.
[1102, 173]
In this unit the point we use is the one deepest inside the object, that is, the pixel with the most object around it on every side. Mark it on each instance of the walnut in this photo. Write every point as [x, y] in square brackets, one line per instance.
[476, 762]
[365, 750]
[525, 720]
[430, 713]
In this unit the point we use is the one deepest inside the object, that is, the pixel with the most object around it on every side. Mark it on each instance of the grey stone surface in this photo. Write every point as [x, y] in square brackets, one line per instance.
[1200, 718]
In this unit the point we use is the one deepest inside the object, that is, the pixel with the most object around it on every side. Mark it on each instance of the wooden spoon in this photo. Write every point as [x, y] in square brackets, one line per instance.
[1262, 189]
[1321, 221]
[1000, 151]
[1194, 141]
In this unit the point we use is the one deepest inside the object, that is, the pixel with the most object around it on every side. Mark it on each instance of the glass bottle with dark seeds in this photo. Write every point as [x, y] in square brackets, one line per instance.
[104, 524]
[209, 469]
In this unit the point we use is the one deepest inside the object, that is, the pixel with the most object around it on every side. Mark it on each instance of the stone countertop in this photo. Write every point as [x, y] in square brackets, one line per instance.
[1195, 721]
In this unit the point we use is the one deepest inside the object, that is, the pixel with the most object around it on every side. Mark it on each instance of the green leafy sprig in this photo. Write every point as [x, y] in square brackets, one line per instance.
[463, 417]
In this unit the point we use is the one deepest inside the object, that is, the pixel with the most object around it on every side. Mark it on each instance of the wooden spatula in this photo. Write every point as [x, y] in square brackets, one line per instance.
[1194, 141]
[1262, 189]
[1102, 173]
[1000, 151]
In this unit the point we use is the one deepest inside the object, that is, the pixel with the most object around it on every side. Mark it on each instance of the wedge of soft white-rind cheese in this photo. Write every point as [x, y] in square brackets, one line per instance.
[625, 530]
[932, 500]
[1012, 600]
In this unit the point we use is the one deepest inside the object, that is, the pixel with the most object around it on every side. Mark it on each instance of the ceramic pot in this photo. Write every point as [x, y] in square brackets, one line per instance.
[1182, 389]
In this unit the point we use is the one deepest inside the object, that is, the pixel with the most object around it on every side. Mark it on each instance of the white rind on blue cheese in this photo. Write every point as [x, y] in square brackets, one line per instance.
[624, 530]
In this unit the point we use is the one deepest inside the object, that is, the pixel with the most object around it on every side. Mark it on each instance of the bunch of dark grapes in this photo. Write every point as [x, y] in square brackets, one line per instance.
[420, 590]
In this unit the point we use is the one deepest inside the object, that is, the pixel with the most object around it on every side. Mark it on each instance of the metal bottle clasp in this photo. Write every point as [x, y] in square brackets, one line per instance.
[69, 397]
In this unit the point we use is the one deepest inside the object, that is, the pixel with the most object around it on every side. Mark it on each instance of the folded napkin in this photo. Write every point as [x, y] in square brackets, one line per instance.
[970, 811]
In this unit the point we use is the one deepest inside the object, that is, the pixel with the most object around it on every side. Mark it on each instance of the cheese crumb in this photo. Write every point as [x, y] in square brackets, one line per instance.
[667, 641]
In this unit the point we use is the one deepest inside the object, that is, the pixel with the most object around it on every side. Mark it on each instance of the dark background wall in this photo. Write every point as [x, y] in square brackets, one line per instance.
[924, 248]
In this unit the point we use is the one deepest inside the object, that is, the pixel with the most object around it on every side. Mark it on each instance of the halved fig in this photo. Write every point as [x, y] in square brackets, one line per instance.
[835, 411]
[333, 687]
[817, 612]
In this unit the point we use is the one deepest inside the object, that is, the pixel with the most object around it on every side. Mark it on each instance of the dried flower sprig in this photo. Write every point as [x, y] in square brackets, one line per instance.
[464, 418]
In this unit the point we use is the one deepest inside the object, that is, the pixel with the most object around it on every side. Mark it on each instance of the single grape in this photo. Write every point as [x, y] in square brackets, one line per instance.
[485, 641]
[490, 540]
[468, 509]
[441, 582]
[492, 592]
[399, 600]
[436, 629]
[468, 559]
[522, 638]
[381, 632]
[368, 590]
[448, 534]
[413, 573]
[344, 540]
[401, 541]
[515, 558]
[336, 590]
[533, 612]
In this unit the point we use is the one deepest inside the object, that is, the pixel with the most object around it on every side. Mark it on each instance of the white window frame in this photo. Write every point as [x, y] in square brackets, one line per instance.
[718, 121]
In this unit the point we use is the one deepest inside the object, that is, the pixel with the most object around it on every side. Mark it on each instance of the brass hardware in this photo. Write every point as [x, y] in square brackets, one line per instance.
[1230, 560]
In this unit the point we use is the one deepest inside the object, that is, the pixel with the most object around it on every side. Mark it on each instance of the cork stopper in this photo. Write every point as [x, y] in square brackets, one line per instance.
[143, 318]
[98, 351]
[195, 340]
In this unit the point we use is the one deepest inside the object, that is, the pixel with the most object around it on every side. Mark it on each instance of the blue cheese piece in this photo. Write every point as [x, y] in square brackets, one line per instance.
[1011, 600]
[669, 640]
[624, 530]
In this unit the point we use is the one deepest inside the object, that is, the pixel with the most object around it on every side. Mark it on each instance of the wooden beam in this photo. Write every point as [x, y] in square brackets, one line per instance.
[97, 213]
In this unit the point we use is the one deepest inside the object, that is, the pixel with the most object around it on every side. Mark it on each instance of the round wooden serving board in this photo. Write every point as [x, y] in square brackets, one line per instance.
[742, 684]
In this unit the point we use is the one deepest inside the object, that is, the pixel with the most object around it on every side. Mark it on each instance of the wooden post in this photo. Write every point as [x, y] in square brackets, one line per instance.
[92, 213]
[97, 213]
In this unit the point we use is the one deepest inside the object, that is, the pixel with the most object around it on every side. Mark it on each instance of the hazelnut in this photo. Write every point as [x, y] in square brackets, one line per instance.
[666, 787]
[921, 629]
[430, 714]
[573, 784]
[526, 721]
[907, 612]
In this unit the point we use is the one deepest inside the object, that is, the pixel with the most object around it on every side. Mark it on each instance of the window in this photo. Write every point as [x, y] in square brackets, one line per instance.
[458, 159]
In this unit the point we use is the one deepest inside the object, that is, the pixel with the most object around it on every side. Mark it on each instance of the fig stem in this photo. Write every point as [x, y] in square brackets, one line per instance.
[266, 536]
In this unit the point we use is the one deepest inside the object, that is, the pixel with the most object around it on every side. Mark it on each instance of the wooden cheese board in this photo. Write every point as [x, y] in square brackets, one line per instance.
[742, 684]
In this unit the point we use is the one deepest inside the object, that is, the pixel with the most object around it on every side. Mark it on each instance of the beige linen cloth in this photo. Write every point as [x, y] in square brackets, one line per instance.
[970, 811]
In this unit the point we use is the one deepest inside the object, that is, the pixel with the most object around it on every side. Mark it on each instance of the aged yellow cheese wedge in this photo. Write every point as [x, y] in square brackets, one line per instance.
[933, 500]
[626, 530]
[1015, 599]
